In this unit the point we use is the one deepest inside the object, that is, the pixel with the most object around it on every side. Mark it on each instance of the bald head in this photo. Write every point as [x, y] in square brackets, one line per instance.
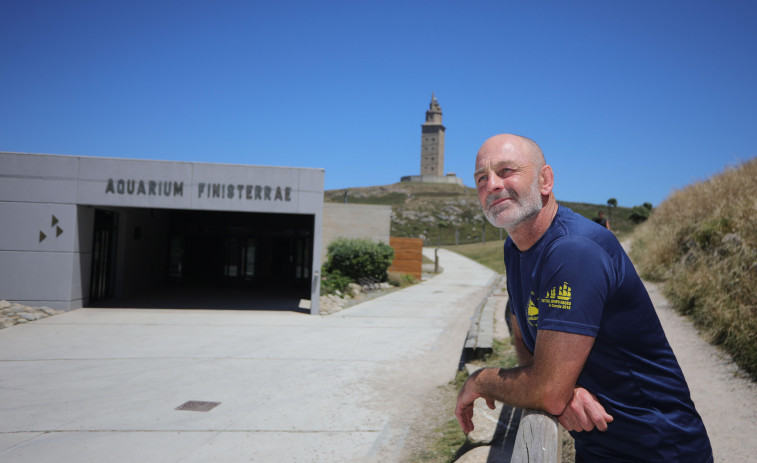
[514, 183]
[512, 146]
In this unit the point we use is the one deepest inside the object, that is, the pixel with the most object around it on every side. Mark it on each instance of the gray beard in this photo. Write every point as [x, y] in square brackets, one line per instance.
[515, 213]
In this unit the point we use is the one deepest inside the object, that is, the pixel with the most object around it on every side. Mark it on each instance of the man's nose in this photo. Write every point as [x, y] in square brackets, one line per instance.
[494, 183]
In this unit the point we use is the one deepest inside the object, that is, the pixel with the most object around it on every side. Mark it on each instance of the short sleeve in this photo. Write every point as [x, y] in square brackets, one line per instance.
[576, 278]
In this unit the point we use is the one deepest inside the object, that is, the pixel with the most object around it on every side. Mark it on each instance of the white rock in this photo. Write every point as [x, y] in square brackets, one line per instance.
[29, 316]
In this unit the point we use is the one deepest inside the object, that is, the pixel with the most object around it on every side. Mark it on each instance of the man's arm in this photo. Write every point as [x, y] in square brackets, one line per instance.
[525, 357]
[575, 407]
[547, 383]
[583, 412]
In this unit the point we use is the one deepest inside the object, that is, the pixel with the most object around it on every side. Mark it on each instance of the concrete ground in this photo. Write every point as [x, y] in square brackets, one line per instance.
[103, 385]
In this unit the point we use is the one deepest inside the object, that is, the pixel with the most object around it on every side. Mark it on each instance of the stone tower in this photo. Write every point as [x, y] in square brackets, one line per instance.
[432, 141]
[432, 150]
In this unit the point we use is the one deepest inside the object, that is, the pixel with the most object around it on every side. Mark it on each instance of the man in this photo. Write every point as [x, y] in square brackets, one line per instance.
[602, 221]
[590, 346]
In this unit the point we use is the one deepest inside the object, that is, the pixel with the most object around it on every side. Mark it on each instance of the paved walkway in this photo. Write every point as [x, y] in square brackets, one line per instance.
[103, 385]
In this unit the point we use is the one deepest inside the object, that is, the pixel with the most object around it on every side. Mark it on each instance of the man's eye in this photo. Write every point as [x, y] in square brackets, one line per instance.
[481, 179]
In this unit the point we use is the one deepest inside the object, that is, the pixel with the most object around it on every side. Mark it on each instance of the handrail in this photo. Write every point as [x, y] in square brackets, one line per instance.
[538, 439]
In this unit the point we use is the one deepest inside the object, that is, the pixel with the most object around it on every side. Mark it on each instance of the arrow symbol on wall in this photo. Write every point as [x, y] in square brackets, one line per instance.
[55, 221]
[42, 236]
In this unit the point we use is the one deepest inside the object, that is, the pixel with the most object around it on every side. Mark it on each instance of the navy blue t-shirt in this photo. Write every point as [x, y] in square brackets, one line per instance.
[578, 279]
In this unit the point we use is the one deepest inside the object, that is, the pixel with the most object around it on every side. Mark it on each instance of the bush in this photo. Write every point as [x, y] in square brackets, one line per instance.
[358, 258]
[400, 279]
[335, 281]
[640, 213]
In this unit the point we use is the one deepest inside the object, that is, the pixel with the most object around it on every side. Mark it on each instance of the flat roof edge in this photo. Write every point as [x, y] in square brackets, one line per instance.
[321, 169]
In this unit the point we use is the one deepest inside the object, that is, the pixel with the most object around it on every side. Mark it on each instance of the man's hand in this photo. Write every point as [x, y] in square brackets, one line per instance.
[464, 409]
[584, 413]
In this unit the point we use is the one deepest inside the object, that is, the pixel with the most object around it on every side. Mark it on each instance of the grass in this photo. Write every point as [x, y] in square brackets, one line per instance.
[620, 223]
[446, 440]
[490, 254]
[701, 242]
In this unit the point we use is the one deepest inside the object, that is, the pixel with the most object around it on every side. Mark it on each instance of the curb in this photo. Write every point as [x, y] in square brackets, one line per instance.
[480, 338]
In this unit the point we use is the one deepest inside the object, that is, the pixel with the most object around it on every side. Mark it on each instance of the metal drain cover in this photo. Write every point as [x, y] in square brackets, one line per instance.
[198, 406]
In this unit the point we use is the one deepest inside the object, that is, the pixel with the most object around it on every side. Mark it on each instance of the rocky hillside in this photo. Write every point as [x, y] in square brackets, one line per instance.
[448, 214]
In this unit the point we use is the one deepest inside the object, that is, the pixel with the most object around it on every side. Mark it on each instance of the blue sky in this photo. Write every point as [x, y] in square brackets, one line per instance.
[628, 99]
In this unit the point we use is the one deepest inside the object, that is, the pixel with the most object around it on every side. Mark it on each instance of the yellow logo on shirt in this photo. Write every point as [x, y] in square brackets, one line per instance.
[559, 297]
[533, 312]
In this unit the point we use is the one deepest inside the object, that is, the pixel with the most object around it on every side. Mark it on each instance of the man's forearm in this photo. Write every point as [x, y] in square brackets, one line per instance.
[547, 381]
[516, 387]
[525, 357]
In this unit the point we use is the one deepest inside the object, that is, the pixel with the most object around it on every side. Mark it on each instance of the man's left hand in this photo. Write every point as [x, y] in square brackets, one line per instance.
[584, 413]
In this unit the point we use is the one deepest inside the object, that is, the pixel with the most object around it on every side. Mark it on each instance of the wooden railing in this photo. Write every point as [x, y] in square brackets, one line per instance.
[538, 439]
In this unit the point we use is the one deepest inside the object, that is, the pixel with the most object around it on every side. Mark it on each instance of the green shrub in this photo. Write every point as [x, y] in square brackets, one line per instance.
[400, 279]
[640, 213]
[358, 258]
[335, 281]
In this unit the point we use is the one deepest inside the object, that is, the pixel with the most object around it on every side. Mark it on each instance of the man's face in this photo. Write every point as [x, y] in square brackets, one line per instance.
[508, 184]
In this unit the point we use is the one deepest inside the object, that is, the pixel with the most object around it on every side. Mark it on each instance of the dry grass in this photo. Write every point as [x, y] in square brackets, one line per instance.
[490, 254]
[702, 243]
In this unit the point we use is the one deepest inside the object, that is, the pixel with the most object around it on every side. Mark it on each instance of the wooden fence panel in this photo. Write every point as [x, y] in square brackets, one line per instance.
[408, 256]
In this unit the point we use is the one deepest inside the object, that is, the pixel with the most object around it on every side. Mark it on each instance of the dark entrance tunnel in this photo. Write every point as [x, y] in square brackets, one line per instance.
[201, 259]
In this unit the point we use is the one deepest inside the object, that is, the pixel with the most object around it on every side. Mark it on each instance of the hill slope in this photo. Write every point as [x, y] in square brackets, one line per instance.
[449, 214]
[702, 242]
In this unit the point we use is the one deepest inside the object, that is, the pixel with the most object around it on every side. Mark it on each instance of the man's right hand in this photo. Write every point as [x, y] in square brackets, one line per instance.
[584, 413]
[465, 398]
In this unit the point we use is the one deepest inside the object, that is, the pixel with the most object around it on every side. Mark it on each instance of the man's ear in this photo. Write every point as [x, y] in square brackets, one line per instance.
[547, 180]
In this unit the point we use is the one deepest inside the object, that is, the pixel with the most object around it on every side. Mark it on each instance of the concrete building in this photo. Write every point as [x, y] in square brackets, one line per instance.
[432, 149]
[82, 231]
[368, 221]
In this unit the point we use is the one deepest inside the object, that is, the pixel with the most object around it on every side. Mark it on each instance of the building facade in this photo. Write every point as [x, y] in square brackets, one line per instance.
[81, 231]
[358, 221]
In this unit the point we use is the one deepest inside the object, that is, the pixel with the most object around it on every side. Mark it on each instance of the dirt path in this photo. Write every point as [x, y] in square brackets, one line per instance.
[725, 398]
